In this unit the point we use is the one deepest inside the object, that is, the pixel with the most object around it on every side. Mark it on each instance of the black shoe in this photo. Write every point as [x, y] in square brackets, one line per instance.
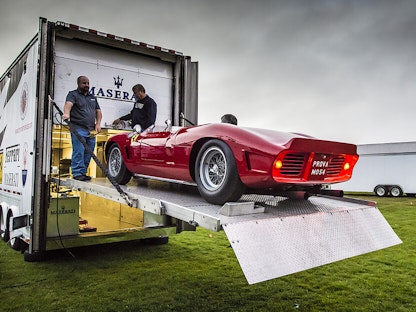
[79, 178]
[82, 178]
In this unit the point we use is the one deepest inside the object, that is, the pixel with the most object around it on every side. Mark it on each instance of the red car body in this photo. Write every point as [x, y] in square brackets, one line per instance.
[263, 161]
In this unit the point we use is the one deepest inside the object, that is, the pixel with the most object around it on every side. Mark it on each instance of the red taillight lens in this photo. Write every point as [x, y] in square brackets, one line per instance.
[289, 165]
[350, 161]
[294, 167]
[277, 164]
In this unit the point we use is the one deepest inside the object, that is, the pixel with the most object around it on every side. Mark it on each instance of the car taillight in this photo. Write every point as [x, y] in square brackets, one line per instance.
[278, 164]
[350, 161]
[289, 164]
[295, 167]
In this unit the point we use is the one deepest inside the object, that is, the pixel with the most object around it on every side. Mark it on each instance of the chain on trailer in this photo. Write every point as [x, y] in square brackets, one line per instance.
[97, 161]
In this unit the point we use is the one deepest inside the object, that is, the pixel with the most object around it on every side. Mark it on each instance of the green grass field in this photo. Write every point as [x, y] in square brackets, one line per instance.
[198, 271]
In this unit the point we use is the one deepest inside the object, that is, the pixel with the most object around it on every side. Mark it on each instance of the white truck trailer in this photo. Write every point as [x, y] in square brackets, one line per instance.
[35, 147]
[42, 208]
[385, 169]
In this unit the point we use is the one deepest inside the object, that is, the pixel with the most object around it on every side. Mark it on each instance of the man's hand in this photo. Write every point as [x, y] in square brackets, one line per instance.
[67, 110]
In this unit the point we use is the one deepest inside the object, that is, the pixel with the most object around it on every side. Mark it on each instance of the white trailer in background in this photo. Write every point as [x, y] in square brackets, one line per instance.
[385, 169]
[43, 209]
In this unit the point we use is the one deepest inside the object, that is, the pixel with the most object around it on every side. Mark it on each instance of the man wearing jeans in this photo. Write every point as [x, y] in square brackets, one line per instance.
[85, 115]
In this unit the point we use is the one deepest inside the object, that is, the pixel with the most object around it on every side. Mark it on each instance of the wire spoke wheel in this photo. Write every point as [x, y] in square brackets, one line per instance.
[114, 162]
[216, 173]
[213, 168]
[116, 166]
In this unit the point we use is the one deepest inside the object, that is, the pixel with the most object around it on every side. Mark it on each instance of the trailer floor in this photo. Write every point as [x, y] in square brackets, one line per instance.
[105, 223]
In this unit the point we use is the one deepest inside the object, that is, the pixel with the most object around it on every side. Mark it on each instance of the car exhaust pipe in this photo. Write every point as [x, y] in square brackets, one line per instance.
[297, 195]
[335, 193]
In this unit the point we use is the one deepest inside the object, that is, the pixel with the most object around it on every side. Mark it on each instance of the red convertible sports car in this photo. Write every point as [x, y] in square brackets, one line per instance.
[226, 161]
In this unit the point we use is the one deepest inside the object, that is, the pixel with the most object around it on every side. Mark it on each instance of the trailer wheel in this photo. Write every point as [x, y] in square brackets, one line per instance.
[6, 233]
[14, 242]
[1, 222]
[396, 191]
[380, 190]
[216, 173]
[116, 167]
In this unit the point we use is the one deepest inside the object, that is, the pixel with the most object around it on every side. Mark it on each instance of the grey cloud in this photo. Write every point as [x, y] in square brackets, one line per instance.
[342, 70]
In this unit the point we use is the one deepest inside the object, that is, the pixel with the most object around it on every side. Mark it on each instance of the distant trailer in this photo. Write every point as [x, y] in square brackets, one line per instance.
[387, 169]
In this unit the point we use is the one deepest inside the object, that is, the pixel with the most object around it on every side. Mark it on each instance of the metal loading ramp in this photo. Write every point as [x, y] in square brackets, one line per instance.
[306, 234]
[271, 236]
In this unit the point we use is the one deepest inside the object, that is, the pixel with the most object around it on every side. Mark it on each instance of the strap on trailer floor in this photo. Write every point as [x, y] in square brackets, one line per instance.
[271, 236]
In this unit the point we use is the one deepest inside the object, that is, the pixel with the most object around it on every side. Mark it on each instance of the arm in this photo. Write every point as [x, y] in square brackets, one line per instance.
[67, 110]
[99, 117]
[126, 117]
[151, 114]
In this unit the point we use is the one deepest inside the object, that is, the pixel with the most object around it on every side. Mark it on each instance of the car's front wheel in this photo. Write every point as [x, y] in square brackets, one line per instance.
[216, 173]
[116, 167]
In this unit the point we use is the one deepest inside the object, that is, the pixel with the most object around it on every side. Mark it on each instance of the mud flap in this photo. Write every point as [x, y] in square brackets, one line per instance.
[278, 246]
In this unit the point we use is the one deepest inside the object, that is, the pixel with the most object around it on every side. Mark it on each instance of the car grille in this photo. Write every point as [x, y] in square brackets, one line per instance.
[293, 164]
[335, 166]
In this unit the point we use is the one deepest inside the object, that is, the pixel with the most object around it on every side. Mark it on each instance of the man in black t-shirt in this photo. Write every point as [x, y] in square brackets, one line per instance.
[144, 109]
[85, 115]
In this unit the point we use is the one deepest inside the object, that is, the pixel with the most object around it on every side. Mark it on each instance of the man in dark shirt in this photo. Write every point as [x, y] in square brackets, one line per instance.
[85, 115]
[144, 109]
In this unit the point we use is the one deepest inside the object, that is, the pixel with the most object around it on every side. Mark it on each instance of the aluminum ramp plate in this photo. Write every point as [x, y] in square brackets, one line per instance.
[274, 237]
[319, 232]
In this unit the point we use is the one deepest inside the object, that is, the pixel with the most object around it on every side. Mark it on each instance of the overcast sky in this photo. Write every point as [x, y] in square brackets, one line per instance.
[337, 70]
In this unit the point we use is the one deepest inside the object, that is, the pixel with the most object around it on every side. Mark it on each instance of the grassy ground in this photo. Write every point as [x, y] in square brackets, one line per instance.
[197, 271]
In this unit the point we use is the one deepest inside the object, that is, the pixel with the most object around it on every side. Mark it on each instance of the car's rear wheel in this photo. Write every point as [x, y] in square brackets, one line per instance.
[116, 167]
[216, 173]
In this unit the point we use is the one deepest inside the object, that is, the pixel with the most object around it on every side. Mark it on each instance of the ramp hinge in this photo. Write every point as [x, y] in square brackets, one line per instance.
[193, 223]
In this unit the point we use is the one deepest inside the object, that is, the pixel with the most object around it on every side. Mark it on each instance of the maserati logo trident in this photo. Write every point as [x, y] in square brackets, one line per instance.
[113, 94]
[118, 82]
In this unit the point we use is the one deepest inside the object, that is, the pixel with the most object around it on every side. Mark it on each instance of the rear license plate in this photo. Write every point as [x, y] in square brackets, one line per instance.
[319, 167]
